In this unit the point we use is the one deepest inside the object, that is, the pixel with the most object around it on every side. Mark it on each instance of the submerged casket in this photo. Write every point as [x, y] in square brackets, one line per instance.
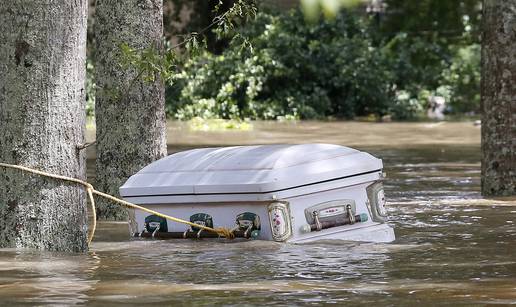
[287, 193]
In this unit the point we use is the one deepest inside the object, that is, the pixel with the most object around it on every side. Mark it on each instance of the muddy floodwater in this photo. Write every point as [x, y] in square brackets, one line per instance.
[452, 247]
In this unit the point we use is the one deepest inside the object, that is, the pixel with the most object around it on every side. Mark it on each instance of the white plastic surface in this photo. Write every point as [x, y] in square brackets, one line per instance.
[248, 169]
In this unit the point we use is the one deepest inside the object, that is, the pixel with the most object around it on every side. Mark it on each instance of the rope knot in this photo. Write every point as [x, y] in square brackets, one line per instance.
[225, 232]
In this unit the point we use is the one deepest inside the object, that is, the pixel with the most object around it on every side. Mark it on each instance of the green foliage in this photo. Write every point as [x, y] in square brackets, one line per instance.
[435, 48]
[278, 66]
[455, 75]
[415, 62]
[445, 23]
[462, 78]
[184, 18]
[153, 62]
[296, 70]
[149, 62]
[407, 106]
[286, 66]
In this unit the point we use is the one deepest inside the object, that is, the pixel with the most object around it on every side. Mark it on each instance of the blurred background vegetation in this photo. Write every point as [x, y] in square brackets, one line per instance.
[376, 59]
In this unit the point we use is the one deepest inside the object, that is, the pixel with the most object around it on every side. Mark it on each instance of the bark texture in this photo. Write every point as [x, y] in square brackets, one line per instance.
[499, 98]
[130, 112]
[42, 120]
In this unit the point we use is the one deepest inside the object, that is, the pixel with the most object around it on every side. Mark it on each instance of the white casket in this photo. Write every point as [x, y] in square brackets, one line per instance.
[287, 193]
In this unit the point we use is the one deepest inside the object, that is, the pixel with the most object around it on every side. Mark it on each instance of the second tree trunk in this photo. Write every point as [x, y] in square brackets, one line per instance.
[130, 112]
[499, 98]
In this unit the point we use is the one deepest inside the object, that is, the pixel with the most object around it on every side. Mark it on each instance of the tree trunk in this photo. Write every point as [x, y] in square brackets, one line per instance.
[42, 120]
[130, 112]
[499, 98]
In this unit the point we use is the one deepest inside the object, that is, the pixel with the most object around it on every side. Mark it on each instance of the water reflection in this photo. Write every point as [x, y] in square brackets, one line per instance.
[46, 277]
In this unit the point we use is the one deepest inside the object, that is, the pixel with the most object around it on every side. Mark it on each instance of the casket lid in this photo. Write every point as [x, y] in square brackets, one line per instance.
[248, 169]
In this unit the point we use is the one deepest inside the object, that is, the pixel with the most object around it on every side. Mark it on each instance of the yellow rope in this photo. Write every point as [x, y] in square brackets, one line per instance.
[89, 190]
[221, 231]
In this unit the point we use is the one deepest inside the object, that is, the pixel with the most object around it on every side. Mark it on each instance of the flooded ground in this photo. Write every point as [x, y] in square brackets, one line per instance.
[453, 247]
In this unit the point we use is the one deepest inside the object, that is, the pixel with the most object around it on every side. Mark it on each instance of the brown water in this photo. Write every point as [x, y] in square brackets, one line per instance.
[453, 247]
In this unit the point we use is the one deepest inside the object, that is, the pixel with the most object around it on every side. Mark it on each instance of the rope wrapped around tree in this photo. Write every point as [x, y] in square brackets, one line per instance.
[90, 190]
